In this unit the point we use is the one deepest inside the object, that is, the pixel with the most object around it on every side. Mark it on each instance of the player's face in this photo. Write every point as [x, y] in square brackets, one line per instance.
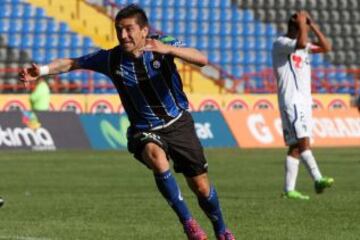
[130, 34]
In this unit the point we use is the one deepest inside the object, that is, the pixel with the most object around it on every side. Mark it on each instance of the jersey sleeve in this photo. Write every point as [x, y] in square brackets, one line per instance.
[285, 45]
[97, 61]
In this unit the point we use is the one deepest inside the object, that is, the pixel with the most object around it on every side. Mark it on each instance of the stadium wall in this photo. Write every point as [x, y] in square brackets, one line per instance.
[110, 103]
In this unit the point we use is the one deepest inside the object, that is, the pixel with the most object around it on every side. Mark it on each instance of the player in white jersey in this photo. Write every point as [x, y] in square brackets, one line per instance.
[291, 63]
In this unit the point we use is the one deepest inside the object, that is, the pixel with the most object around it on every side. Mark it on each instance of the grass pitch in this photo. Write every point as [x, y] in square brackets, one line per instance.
[89, 195]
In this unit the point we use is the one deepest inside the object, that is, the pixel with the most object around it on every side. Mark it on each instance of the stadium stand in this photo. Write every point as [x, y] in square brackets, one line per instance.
[236, 35]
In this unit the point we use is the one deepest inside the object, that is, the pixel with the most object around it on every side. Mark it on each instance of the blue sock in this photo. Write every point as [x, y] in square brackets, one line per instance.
[211, 207]
[166, 184]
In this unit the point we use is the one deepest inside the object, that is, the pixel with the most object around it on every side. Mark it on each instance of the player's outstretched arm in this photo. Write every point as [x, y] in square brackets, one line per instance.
[190, 55]
[55, 67]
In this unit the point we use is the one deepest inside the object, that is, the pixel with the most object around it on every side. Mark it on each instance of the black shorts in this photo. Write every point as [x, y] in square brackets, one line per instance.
[179, 141]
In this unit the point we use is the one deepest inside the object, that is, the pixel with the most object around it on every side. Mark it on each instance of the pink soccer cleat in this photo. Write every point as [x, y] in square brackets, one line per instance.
[194, 231]
[227, 235]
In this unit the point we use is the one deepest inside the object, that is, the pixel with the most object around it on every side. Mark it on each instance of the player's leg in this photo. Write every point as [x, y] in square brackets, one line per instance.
[209, 203]
[151, 150]
[311, 165]
[290, 119]
[291, 173]
[155, 157]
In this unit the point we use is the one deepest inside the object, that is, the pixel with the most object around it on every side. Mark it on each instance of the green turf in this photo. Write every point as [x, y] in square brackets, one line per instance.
[92, 195]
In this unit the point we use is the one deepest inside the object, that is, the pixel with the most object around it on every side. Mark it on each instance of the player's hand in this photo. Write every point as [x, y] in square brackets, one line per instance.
[27, 75]
[156, 46]
[301, 17]
[309, 20]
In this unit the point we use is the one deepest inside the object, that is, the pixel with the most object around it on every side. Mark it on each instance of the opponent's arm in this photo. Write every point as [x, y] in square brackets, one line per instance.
[190, 55]
[55, 67]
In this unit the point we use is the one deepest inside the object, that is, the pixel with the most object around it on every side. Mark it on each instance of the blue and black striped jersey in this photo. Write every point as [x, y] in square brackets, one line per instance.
[150, 86]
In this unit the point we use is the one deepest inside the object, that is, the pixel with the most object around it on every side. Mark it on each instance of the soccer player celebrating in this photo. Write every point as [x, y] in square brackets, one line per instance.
[143, 71]
[291, 63]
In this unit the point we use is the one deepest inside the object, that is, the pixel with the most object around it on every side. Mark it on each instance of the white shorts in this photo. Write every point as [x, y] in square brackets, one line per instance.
[296, 122]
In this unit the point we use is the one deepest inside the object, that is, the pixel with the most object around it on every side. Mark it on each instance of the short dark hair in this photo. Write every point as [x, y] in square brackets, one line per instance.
[133, 10]
[292, 23]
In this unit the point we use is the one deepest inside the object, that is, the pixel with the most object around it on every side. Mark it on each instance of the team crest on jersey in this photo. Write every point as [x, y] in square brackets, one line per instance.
[156, 64]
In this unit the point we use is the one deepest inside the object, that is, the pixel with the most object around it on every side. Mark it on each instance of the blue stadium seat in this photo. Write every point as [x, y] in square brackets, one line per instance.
[225, 14]
[238, 58]
[52, 41]
[204, 28]
[226, 57]
[76, 52]
[191, 27]
[40, 13]
[180, 14]
[40, 25]
[4, 25]
[29, 26]
[192, 14]
[250, 58]
[76, 40]
[39, 40]
[214, 56]
[29, 11]
[270, 30]
[260, 29]
[170, 14]
[191, 4]
[27, 41]
[249, 29]
[238, 42]
[64, 53]
[50, 55]
[249, 43]
[63, 28]
[52, 26]
[260, 43]
[215, 3]
[215, 15]
[204, 14]
[5, 11]
[215, 28]
[179, 27]
[156, 13]
[190, 40]
[238, 71]
[202, 42]
[226, 42]
[214, 43]
[168, 4]
[87, 44]
[17, 11]
[237, 29]
[261, 58]
[225, 28]
[64, 40]
[39, 55]
[15, 25]
[248, 16]
[237, 15]
[14, 40]
[180, 3]
[167, 27]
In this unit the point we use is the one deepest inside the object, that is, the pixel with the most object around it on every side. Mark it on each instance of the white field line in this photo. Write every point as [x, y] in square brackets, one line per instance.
[21, 238]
